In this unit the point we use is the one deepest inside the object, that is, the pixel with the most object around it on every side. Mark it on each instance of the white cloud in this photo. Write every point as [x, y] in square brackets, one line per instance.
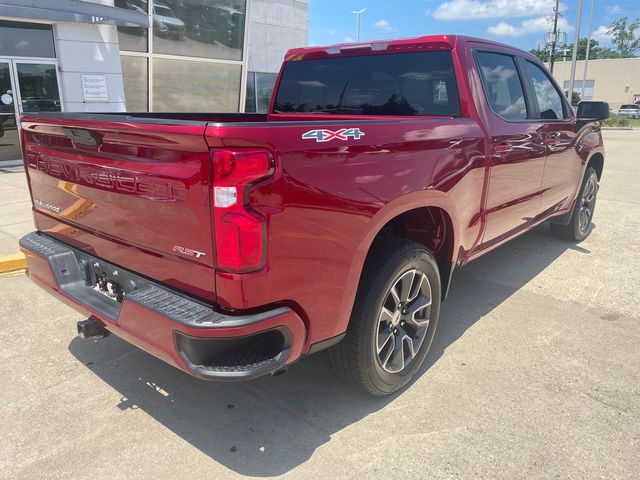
[478, 9]
[614, 10]
[602, 36]
[533, 25]
[383, 25]
[540, 24]
[348, 39]
[504, 29]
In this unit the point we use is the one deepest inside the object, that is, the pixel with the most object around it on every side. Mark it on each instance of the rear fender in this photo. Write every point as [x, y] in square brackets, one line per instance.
[394, 208]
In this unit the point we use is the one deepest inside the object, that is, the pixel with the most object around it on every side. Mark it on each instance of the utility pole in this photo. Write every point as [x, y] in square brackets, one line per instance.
[586, 58]
[576, 40]
[564, 64]
[358, 13]
[554, 37]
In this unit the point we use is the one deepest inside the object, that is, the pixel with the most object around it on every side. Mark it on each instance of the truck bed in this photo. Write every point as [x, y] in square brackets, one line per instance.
[324, 196]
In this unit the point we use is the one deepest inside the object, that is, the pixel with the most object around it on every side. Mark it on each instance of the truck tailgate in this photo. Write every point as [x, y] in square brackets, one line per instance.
[134, 193]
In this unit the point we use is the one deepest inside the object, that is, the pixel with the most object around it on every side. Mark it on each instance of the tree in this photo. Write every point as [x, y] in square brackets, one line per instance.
[606, 52]
[582, 49]
[624, 36]
[575, 98]
[595, 52]
[542, 54]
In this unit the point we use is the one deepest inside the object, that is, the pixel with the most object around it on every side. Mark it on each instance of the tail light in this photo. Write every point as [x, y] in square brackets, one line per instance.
[240, 232]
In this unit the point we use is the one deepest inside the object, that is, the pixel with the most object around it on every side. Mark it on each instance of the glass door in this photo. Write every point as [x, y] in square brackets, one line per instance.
[26, 86]
[9, 137]
[37, 86]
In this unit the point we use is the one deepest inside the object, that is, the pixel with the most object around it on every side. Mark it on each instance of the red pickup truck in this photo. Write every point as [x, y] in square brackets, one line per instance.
[232, 245]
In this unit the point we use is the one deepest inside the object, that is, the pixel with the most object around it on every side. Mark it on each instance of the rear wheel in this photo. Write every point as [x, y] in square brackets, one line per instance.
[580, 225]
[393, 321]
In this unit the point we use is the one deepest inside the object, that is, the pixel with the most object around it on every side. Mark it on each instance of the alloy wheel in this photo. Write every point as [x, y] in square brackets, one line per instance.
[588, 203]
[403, 321]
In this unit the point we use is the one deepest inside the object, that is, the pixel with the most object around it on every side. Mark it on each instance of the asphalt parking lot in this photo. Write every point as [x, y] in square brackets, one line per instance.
[534, 373]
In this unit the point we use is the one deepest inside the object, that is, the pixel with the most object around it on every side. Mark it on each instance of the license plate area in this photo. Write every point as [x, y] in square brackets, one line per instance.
[107, 280]
[109, 288]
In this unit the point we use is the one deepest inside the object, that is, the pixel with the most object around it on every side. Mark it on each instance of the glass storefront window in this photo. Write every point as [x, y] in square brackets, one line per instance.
[133, 39]
[187, 86]
[250, 98]
[259, 91]
[136, 83]
[264, 88]
[26, 40]
[199, 28]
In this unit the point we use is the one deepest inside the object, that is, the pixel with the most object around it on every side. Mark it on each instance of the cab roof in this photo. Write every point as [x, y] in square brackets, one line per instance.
[413, 44]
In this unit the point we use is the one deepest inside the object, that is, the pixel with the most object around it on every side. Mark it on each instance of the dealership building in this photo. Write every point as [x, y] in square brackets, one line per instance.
[614, 80]
[141, 55]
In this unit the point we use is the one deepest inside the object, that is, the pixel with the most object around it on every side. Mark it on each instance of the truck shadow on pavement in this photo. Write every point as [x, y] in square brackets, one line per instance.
[271, 425]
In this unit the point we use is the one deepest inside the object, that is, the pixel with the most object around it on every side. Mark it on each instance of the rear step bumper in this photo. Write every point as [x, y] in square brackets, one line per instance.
[178, 329]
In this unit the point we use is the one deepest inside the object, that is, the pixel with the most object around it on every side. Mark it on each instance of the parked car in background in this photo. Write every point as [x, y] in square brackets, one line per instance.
[631, 110]
[165, 22]
[215, 24]
[232, 245]
[136, 6]
[39, 104]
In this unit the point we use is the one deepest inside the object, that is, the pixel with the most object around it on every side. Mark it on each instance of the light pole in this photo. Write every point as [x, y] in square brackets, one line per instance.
[564, 64]
[586, 58]
[358, 13]
[574, 56]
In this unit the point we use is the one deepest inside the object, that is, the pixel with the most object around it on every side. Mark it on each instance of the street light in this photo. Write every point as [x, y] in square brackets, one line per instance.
[574, 56]
[358, 13]
[586, 58]
[564, 63]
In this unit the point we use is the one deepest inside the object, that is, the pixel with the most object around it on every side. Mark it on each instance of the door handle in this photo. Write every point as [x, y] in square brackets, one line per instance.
[552, 139]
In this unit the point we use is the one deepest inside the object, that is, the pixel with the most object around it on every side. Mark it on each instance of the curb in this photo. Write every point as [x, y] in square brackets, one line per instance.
[12, 263]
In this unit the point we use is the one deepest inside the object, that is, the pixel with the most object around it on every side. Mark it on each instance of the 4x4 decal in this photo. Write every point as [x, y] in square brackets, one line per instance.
[328, 135]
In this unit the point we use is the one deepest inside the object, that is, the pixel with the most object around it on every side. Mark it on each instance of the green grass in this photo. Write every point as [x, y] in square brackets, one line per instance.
[616, 120]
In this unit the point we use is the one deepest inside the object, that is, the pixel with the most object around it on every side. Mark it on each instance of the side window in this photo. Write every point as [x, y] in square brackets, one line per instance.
[502, 85]
[549, 100]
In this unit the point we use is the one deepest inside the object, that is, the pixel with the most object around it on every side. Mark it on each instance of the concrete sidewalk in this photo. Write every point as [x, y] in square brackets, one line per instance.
[15, 209]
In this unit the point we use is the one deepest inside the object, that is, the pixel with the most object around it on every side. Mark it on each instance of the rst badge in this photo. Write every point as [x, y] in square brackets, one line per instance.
[188, 251]
[328, 135]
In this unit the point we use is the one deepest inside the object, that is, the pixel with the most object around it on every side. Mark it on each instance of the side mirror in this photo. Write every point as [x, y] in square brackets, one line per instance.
[593, 111]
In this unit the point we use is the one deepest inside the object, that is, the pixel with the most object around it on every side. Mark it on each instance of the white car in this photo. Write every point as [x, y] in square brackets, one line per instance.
[630, 111]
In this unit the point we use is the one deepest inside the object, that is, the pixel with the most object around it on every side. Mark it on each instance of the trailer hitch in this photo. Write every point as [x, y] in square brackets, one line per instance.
[92, 328]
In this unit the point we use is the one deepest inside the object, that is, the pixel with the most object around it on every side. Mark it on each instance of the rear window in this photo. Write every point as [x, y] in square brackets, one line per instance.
[402, 84]
[630, 106]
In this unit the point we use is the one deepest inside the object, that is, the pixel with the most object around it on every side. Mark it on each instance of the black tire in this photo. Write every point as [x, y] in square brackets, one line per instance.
[579, 227]
[357, 359]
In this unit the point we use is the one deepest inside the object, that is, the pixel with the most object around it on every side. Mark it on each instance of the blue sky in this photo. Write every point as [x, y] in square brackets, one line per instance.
[521, 23]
